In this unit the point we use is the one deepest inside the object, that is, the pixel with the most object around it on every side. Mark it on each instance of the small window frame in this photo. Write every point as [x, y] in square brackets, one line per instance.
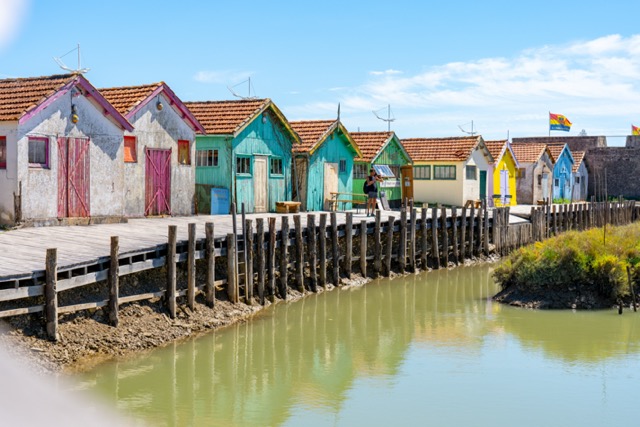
[3, 152]
[47, 153]
[438, 168]
[360, 170]
[471, 170]
[422, 173]
[129, 139]
[342, 166]
[244, 163]
[276, 161]
[182, 144]
[207, 158]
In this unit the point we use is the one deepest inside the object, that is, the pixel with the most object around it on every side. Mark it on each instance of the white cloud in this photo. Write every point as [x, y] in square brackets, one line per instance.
[596, 83]
[12, 13]
[227, 77]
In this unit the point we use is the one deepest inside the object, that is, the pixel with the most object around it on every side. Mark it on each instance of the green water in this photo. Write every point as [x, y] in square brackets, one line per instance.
[430, 349]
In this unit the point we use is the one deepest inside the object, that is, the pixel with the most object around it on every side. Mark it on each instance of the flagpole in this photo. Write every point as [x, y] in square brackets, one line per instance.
[549, 123]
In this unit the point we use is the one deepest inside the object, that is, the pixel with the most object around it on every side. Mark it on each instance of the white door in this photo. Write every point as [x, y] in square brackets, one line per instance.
[260, 184]
[504, 185]
[545, 186]
[330, 183]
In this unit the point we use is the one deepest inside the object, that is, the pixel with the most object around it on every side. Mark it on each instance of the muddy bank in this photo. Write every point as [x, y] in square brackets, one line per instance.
[573, 297]
[86, 339]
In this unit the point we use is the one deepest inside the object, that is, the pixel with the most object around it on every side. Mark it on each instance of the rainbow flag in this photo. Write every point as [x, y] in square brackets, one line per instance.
[635, 130]
[559, 122]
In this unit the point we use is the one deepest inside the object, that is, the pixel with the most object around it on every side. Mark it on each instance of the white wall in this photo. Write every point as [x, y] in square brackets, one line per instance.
[471, 188]
[448, 192]
[160, 129]
[8, 176]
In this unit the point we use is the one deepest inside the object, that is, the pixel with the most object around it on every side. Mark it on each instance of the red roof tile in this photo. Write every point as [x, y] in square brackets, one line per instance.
[311, 132]
[370, 143]
[578, 156]
[528, 152]
[126, 98]
[453, 149]
[226, 117]
[495, 147]
[17, 96]
[556, 150]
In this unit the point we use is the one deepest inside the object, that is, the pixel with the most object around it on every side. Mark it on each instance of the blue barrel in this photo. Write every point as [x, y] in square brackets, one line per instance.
[219, 201]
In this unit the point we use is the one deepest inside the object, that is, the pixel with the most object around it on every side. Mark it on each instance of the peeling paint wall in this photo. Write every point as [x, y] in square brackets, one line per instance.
[530, 187]
[161, 130]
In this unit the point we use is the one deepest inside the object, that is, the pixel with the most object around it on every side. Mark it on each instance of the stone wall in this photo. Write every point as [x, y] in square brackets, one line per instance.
[633, 141]
[622, 165]
[576, 143]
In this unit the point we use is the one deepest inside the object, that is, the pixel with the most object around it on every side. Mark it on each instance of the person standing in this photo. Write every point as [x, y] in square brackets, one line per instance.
[372, 191]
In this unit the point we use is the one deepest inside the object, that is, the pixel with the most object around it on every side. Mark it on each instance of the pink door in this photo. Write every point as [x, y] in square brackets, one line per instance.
[157, 182]
[73, 177]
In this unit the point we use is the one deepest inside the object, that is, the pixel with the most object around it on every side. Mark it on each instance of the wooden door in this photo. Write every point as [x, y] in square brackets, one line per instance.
[330, 183]
[157, 182]
[545, 186]
[483, 185]
[260, 184]
[74, 179]
[407, 182]
[504, 186]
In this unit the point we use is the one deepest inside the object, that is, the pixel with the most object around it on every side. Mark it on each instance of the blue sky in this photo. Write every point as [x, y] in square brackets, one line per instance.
[502, 64]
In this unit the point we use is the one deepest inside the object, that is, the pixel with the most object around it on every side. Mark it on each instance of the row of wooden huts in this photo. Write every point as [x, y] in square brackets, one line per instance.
[70, 152]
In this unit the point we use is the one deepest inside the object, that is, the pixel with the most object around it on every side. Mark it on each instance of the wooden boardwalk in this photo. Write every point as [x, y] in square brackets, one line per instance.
[23, 251]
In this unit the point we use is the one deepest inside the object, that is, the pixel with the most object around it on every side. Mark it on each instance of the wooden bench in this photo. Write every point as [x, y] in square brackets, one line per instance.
[337, 198]
[287, 207]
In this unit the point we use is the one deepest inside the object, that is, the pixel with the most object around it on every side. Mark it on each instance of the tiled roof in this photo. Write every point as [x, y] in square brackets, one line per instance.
[578, 156]
[20, 95]
[528, 152]
[556, 150]
[311, 132]
[453, 149]
[125, 98]
[496, 147]
[370, 143]
[226, 117]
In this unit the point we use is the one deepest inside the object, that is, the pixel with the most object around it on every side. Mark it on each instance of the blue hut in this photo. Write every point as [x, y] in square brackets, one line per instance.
[244, 155]
[562, 171]
[324, 162]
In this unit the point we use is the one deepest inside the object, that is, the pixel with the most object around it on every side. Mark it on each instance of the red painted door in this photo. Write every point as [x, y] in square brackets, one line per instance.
[157, 182]
[73, 177]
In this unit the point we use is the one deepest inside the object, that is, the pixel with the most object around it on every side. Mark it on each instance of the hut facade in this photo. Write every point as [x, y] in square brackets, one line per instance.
[324, 163]
[580, 177]
[61, 152]
[245, 151]
[159, 151]
[535, 172]
[562, 171]
[502, 174]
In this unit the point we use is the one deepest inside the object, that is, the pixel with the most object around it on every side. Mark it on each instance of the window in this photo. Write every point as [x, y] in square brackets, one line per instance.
[577, 180]
[243, 165]
[3, 152]
[276, 166]
[360, 171]
[422, 172]
[395, 170]
[556, 182]
[184, 157]
[444, 172]
[471, 172]
[539, 179]
[39, 152]
[523, 173]
[342, 166]
[207, 158]
[130, 149]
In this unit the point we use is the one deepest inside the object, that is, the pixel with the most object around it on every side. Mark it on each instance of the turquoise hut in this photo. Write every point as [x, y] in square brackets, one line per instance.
[244, 156]
[562, 171]
[324, 162]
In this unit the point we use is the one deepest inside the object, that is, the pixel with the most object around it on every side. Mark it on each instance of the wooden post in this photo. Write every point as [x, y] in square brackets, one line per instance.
[232, 278]
[389, 246]
[412, 239]
[476, 250]
[402, 241]
[51, 294]
[114, 281]
[210, 252]
[284, 257]
[555, 220]
[261, 258]
[348, 237]
[311, 248]
[248, 256]
[633, 291]
[445, 237]
[423, 239]
[334, 249]
[363, 247]
[435, 253]
[485, 216]
[271, 263]
[171, 271]
[472, 232]
[463, 234]
[191, 267]
[377, 248]
[299, 253]
[323, 250]
[454, 234]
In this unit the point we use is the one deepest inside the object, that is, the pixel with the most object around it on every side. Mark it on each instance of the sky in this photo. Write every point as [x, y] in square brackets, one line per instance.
[503, 65]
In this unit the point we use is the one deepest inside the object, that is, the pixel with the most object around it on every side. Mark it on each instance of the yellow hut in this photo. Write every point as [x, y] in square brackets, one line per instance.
[503, 172]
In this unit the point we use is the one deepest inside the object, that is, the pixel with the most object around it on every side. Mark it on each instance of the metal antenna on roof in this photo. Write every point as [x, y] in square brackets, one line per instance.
[389, 118]
[62, 65]
[472, 133]
[249, 87]
[338, 111]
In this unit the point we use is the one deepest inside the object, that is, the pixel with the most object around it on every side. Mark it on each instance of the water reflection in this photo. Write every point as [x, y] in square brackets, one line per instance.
[312, 355]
